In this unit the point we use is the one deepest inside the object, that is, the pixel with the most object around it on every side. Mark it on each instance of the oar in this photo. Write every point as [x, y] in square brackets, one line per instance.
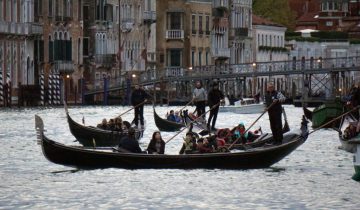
[186, 105]
[236, 140]
[333, 120]
[213, 107]
[133, 108]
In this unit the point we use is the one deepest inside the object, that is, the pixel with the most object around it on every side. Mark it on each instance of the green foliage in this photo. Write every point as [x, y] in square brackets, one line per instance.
[277, 11]
[330, 35]
[302, 39]
[292, 33]
[273, 49]
[355, 41]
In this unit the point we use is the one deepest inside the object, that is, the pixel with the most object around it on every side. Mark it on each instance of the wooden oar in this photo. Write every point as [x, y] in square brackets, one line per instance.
[133, 108]
[236, 140]
[213, 107]
[333, 120]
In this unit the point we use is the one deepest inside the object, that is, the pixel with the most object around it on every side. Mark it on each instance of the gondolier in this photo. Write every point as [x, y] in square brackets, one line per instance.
[273, 100]
[199, 98]
[214, 97]
[138, 98]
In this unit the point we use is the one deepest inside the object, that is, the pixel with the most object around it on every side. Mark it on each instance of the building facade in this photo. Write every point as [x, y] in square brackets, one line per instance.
[20, 54]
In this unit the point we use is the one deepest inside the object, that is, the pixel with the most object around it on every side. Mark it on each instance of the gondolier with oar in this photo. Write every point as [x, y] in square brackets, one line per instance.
[199, 99]
[138, 99]
[273, 100]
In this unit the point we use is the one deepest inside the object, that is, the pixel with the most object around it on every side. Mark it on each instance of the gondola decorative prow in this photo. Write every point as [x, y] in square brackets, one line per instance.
[39, 127]
[66, 108]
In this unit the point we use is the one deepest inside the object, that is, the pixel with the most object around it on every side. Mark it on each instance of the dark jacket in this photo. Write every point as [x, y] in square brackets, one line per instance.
[270, 97]
[171, 117]
[138, 96]
[214, 97]
[130, 144]
[152, 147]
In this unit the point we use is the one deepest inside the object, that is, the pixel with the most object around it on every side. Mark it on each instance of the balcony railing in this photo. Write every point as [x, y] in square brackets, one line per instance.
[174, 72]
[26, 29]
[127, 24]
[239, 32]
[220, 3]
[221, 52]
[105, 60]
[149, 16]
[175, 34]
[64, 67]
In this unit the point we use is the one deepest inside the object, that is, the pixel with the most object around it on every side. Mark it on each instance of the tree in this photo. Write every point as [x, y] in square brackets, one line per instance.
[277, 11]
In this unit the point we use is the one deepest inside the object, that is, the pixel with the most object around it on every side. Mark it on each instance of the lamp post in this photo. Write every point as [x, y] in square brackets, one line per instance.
[66, 87]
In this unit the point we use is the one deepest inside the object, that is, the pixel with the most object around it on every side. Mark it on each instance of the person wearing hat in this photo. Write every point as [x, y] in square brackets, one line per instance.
[215, 96]
[189, 144]
[273, 100]
[239, 133]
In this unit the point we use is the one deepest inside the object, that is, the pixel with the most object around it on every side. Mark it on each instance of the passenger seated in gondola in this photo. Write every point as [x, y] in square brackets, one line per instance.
[189, 145]
[178, 118]
[103, 124]
[111, 124]
[157, 144]
[128, 143]
[239, 133]
[171, 116]
[223, 136]
[203, 146]
[350, 132]
[118, 125]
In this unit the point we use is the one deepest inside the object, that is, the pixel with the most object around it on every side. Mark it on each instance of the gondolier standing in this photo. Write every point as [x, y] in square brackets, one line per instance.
[214, 97]
[199, 99]
[138, 98]
[274, 99]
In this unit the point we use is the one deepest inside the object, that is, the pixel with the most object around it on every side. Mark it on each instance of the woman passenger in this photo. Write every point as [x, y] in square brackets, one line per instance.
[157, 144]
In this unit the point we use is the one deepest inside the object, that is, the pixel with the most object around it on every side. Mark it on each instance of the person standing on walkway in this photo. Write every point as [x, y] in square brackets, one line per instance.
[215, 96]
[199, 99]
[138, 98]
[274, 99]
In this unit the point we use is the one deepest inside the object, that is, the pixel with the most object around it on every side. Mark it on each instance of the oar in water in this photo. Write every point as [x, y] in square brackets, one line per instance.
[133, 108]
[213, 107]
[236, 140]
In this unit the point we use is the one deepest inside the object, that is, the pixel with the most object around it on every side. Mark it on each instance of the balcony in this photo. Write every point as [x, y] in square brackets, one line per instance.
[25, 29]
[174, 34]
[66, 67]
[174, 71]
[149, 16]
[221, 52]
[105, 60]
[220, 3]
[239, 32]
[127, 24]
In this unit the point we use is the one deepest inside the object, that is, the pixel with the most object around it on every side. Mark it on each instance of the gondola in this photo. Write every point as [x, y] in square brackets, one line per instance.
[90, 136]
[166, 125]
[264, 138]
[88, 159]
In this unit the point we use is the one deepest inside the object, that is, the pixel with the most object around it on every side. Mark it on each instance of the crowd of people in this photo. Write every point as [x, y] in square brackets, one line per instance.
[116, 124]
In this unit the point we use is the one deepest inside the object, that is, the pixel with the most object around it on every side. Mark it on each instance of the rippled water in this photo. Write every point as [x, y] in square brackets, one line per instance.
[316, 176]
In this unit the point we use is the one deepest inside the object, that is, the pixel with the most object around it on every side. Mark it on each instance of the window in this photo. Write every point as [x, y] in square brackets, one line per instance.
[174, 58]
[1, 9]
[38, 7]
[192, 58]
[200, 56]
[193, 27]
[50, 8]
[329, 23]
[79, 10]
[86, 12]
[207, 25]
[175, 21]
[200, 24]
[14, 12]
[51, 49]
[207, 58]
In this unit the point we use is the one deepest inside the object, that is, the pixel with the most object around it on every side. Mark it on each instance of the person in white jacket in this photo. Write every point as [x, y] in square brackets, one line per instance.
[199, 99]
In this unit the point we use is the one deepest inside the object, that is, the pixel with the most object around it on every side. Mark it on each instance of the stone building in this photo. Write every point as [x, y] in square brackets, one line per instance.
[20, 54]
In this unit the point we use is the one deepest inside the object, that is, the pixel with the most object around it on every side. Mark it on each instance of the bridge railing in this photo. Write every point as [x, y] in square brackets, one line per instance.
[263, 68]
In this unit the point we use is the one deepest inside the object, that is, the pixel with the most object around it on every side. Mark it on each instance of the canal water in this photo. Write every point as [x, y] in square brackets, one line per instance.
[315, 176]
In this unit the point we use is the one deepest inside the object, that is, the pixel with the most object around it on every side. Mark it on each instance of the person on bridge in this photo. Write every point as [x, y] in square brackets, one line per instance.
[199, 99]
[215, 96]
[273, 100]
[138, 98]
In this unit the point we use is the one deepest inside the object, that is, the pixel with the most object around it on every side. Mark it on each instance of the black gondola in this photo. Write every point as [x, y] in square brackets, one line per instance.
[307, 113]
[90, 136]
[166, 125]
[87, 158]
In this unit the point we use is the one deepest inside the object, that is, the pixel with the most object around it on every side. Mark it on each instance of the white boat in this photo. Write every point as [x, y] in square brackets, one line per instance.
[345, 145]
[244, 106]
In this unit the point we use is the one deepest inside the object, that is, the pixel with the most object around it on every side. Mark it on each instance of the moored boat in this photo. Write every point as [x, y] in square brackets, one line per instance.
[88, 158]
[245, 106]
[325, 113]
[345, 145]
[96, 137]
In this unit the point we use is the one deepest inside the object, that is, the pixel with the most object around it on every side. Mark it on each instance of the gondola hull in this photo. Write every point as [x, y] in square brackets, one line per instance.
[323, 114]
[92, 136]
[88, 159]
[166, 125]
